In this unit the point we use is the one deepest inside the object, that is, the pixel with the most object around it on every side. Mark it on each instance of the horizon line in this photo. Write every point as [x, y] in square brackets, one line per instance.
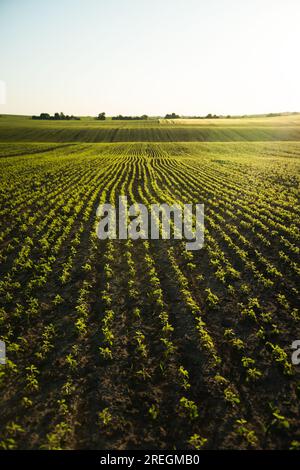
[182, 116]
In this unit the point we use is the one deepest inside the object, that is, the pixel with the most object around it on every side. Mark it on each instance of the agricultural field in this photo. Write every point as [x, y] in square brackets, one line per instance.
[121, 344]
[24, 129]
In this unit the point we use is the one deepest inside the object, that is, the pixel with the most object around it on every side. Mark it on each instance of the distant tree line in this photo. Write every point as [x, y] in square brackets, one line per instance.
[176, 116]
[211, 116]
[56, 117]
[208, 116]
[120, 117]
[101, 117]
[172, 116]
[129, 118]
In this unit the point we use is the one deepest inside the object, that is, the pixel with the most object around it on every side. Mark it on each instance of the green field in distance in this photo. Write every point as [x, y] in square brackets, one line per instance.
[24, 129]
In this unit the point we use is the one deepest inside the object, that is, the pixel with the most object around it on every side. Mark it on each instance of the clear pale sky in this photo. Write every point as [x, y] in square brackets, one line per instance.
[150, 56]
